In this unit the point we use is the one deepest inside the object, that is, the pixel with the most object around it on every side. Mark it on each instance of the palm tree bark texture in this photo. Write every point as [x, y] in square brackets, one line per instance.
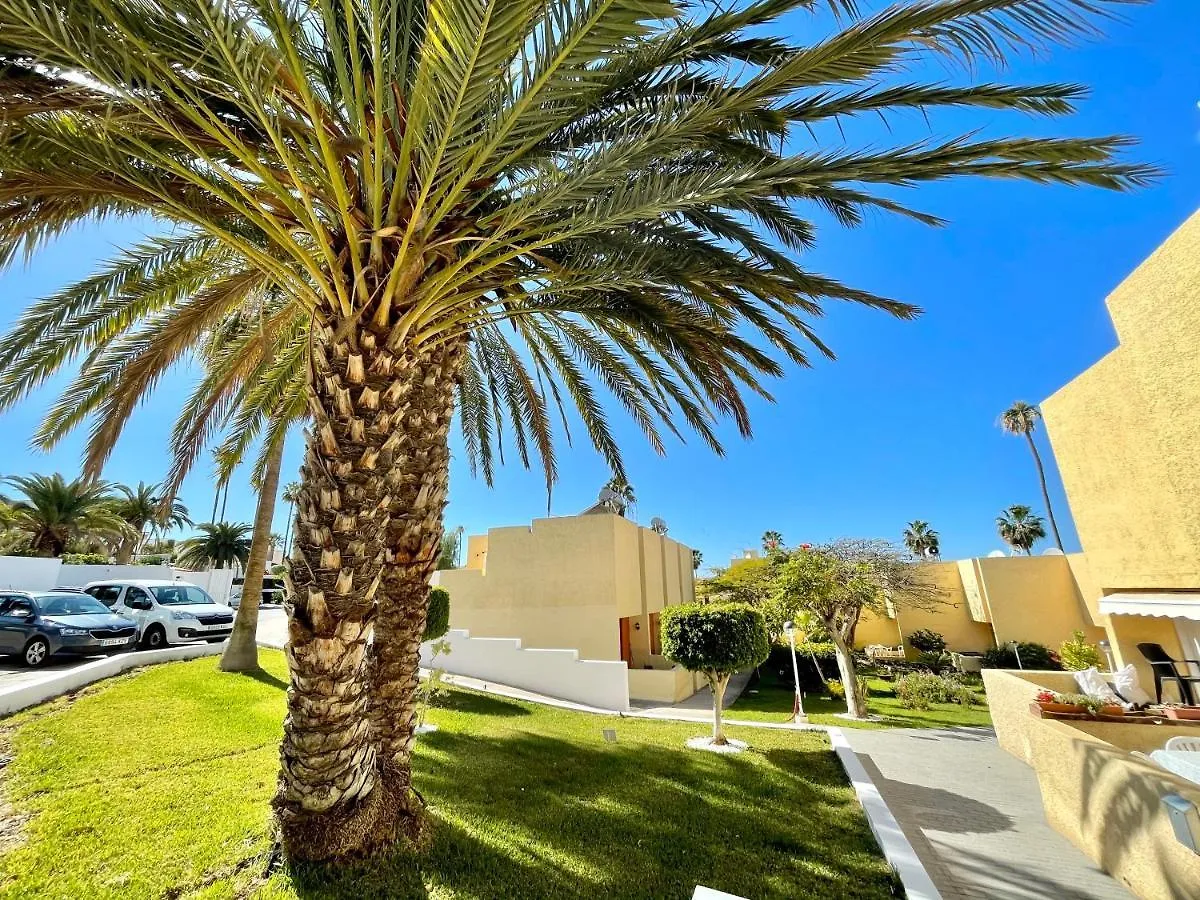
[368, 531]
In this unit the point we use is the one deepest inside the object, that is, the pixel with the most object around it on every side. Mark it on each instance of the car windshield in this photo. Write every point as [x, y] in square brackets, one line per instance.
[71, 605]
[179, 594]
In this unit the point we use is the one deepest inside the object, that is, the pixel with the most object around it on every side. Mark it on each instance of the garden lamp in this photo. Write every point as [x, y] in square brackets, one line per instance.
[1106, 647]
[789, 628]
[1016, 649]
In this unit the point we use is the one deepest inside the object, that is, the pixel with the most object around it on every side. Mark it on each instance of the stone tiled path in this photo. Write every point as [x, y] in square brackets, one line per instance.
[974, 816]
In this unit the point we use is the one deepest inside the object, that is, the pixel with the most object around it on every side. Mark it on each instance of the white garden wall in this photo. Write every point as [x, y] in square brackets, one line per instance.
[78, 576]
[29, 573]
[555, 673]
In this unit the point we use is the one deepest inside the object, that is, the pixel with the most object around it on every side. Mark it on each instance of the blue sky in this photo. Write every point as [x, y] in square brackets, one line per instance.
[903, 424]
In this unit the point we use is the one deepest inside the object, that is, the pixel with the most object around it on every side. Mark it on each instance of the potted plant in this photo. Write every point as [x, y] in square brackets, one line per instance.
[1097, 707]
[1182, 713]
[1053, 702]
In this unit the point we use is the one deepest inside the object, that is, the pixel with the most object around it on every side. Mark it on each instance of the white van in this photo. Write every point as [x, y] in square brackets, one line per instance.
[166, 612]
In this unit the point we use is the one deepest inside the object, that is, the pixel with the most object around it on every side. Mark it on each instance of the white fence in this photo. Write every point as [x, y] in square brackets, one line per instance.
[555, 673]
[30, 573]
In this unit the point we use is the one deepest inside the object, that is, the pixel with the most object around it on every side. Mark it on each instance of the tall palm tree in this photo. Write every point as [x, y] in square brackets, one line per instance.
[218, 546]
[54, 511]
[144, 506]
[1022, 418]
[241, 653]
[771, 541]
[402, 178]
[921, 540]
[1020, 528]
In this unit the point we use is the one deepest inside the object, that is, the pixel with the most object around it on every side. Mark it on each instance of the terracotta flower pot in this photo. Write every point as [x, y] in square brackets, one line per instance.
[1183, 712]
[1049, 707]
[1113, 710]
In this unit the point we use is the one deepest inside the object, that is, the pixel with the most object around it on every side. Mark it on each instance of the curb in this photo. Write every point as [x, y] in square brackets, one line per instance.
[891, 839]
[22, 696]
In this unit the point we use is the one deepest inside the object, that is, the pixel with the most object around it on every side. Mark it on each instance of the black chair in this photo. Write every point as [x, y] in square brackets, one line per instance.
[1166, 668]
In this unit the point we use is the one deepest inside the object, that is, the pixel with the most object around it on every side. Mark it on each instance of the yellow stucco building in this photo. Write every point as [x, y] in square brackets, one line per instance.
[990, 601]
[595, 583]
[1126, 435]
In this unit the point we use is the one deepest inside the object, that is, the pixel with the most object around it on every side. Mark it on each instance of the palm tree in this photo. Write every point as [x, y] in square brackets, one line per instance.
[1020, 528]
[54, 511]
[697, 560]
[771, 541]
[1022, 418]
[218, 546]
[622, 493]
[383, 186]
[142, 506]
[291, 493]
[921, 540]
[241, 653]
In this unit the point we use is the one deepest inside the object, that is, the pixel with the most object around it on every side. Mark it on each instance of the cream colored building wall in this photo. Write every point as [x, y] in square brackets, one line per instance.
[876, 629]
[951, 617]
[566, 582]
[1126, 433]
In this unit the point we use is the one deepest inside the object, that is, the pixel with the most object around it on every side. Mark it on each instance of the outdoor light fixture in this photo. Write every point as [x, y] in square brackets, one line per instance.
[1012, 645]
[1107, 648]
[789, 628]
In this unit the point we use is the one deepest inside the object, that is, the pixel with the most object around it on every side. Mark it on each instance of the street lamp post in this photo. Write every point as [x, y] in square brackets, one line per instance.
[798, 715]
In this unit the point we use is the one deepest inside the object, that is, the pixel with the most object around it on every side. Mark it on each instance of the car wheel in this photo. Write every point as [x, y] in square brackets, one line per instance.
[155, 638]
[36, 652]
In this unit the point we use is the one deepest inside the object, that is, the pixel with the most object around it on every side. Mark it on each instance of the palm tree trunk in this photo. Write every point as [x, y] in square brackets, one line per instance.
[287, 529]
[241, 654]
[1037, 460]
[224, 500]
[216, 502]
[367, 533]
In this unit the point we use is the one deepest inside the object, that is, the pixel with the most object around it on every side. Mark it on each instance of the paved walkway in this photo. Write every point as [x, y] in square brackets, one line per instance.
[973, 813]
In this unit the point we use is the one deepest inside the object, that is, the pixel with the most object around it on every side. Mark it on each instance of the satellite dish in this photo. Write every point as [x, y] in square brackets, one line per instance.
[611, 500]
[1052, 551]
[659, 526]
[997, 554]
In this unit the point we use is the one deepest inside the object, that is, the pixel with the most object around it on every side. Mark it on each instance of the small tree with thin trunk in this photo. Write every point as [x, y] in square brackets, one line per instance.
[835, 583]
[715, 641]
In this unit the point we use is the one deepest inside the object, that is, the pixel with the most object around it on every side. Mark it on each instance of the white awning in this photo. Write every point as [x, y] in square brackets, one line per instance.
[1177, 605]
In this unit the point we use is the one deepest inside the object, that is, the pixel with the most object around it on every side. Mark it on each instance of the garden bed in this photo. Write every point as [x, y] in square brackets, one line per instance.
[157, 784]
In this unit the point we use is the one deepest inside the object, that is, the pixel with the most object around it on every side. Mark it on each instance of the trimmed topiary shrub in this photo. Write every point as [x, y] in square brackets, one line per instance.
[437, 619]
[716, 641]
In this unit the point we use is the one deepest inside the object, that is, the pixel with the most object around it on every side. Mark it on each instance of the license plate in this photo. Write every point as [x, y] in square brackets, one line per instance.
[113, 642]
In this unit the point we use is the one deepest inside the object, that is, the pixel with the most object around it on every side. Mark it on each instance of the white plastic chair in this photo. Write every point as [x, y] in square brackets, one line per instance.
[1183, 743]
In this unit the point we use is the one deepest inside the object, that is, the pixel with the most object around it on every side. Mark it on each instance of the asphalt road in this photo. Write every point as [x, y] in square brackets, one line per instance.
[272, 629]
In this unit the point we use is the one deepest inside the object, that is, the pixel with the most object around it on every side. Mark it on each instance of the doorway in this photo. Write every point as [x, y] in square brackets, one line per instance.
[626, 648]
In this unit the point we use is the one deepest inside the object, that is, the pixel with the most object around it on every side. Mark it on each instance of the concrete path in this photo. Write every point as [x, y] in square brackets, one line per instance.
[699, 705]
[973, 813]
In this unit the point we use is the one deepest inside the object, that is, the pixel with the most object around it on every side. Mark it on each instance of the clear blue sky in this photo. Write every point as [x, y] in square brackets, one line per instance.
[903, 425]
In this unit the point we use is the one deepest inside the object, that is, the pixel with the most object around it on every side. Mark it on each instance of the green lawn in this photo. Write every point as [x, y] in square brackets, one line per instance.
[770, 700]
[156, 784]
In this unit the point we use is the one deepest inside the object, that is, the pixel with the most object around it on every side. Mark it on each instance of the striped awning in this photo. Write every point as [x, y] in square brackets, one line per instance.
[1173, 605]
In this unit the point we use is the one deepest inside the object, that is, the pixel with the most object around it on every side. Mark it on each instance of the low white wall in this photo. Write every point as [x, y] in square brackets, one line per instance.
[29, 573]
[78, 576]
[555, 673]
[55, 683]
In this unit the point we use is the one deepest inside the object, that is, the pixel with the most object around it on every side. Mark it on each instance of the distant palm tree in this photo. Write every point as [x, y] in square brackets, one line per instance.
[1022, 418]
[1020, 528]
[771, 541]
[219, 545]
[141, 506]
[55, 511]
[291, 493]
[921, 540]
[697, 559]
[625, 495]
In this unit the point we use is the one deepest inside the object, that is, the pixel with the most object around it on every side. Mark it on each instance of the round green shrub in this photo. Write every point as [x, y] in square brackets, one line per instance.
[925, 641]
[1033, 656]
[437, 619]
[720, 638]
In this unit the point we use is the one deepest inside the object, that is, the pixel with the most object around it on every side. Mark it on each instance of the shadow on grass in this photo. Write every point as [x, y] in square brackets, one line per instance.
[540, 818]
[463, 701]
[262, 675]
